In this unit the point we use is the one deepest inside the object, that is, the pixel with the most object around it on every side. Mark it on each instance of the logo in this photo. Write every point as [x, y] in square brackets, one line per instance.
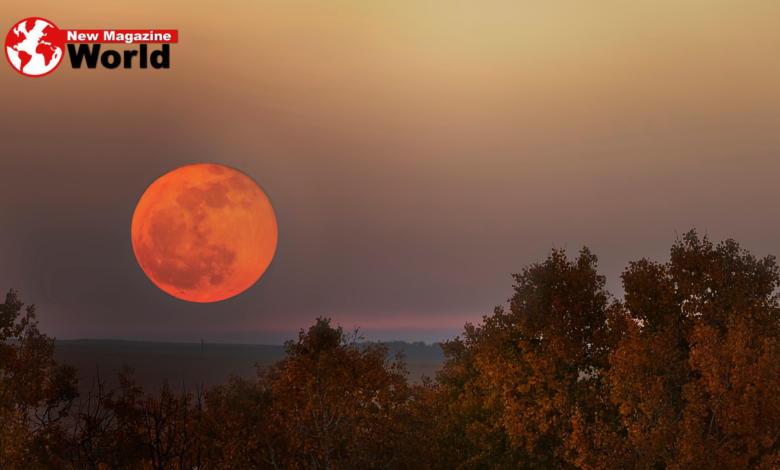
[34, 47]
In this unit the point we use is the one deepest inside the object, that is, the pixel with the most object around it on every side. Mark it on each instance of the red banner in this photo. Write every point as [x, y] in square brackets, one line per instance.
[121, 36]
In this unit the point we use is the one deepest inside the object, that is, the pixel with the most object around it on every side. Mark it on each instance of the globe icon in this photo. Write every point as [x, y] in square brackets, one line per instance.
[34, 47]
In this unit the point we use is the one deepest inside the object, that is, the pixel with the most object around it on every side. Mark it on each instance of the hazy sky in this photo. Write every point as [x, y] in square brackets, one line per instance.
[417, 152]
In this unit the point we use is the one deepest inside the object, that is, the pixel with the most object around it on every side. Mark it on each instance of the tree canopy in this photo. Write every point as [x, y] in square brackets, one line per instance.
[683, 372]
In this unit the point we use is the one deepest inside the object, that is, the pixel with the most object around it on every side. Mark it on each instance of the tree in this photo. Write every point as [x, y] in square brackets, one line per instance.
[465, 409]
[519, 384]
[697, 378]
[96, 441]
[564, 329]
[128, 429]
[330, 404]
[36, 393]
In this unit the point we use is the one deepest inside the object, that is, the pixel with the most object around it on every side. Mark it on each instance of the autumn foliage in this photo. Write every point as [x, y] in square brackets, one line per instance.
[683, 372]
[329, 404]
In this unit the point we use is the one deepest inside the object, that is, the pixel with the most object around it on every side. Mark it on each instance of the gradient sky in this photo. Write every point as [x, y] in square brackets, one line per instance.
[417, 152]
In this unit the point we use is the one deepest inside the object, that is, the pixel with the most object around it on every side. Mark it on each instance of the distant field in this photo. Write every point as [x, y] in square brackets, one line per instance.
[184, 365]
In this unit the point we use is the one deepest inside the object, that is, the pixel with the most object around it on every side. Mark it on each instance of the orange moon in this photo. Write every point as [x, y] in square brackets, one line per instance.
[204, 233]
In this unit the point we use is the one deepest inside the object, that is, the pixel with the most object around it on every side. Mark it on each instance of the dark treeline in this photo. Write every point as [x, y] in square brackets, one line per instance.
[417, 351]
[683, 373]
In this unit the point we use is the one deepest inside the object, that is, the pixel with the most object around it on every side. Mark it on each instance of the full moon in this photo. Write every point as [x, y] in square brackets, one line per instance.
[204, 233]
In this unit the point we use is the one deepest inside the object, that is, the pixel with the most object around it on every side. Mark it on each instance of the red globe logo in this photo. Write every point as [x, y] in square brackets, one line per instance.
[34, 47]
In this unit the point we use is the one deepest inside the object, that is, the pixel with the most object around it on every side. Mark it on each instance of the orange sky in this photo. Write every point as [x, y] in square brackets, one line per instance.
[417, 152]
